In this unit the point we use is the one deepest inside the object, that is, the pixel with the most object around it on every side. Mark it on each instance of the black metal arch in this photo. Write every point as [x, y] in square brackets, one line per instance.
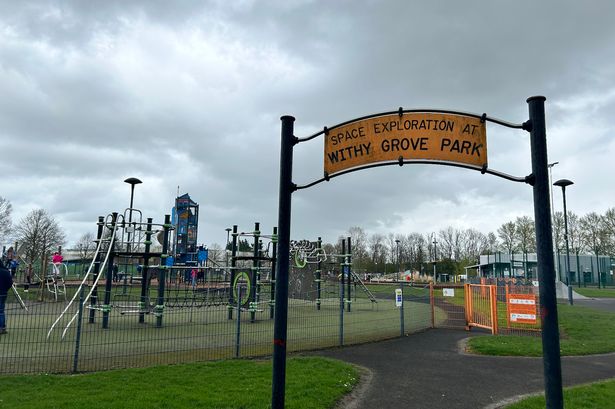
[483, 117]
[524, 179]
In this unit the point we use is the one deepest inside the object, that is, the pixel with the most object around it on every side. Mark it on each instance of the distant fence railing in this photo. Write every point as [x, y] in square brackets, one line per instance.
[197, 323]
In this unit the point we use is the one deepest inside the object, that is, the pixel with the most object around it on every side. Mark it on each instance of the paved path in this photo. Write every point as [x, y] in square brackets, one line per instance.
[429, 370]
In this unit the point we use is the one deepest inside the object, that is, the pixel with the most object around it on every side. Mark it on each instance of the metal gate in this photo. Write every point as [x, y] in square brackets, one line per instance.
[481, 307]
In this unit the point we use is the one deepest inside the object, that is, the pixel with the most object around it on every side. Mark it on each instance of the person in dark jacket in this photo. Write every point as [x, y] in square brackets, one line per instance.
[6, 282]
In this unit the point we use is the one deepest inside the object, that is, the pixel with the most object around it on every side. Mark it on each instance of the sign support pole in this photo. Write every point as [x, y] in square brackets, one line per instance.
[544, 240]
[281, 288]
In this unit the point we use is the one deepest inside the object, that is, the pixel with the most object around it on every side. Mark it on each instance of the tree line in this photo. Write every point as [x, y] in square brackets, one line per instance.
[39, 234]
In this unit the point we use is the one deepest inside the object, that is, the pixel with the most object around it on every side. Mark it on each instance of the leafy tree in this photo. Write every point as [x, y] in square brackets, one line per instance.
[5, 218]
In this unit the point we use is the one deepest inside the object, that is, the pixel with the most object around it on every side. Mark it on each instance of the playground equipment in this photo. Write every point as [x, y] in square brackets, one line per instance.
[307, 254]
[250, 273]
[118, 238]
[54, 281]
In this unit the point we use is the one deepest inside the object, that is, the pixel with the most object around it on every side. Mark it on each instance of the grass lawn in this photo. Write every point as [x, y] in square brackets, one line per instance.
[595, 396]
[584, 331]
[312, 382]
[596, 292]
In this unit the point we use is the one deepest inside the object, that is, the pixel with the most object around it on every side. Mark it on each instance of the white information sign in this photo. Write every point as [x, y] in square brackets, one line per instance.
[448, 292]
[398, 297]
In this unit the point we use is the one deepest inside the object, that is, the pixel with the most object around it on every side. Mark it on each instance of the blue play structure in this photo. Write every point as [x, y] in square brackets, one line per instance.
[186, 222]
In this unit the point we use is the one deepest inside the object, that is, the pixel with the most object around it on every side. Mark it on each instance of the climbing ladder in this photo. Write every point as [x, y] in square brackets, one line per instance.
[357, 279]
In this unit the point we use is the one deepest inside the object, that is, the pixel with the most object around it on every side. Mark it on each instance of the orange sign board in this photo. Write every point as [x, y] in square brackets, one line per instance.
[522, 308]
[410, 136]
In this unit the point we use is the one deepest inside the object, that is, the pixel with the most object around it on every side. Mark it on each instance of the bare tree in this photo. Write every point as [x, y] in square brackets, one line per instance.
[377, 248]
[86, 246]
[526, 236]
[358, 240]
[609, 225]
[593, 233]
[446, 242]
[5, 218]
[575, 239]
[507, 233]
[492, 243]
[38, 232]
[558, 230]
[216, 254]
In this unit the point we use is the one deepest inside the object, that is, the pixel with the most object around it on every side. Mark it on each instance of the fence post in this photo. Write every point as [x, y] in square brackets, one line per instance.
[238, 335]
[401, 311]
[94, 296]
[319, 275]
[342, 311]
[466, 296]
[494, 309]
[233, 273]
[159, 308]
[78, 338]
[106, 308]
[433, 307]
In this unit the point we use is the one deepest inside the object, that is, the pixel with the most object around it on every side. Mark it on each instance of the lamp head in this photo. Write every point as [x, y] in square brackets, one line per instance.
[563, 183]
[133, 181]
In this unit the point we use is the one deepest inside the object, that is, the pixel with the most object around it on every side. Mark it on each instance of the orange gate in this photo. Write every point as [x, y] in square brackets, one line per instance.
[481, 307]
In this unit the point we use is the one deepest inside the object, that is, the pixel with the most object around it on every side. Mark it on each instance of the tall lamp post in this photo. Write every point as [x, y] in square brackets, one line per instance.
[435, 257]
[132, 182]
[563, 183]
[550, 166]
[226, 250]
[398, 266]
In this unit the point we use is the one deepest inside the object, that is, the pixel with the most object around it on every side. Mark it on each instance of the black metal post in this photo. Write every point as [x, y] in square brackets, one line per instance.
[238, 326]
[274, 257]
[132, 182]
[397, 254]
[544, 245]
[79, 323]
[94, 296]
[435, 257]
[255, 264]
[569, 274]
[109, 281]
[281, 294]
[401, 311]
[343, 266]
[348, 265]
[162, 276]
[143, 307]
[319, 274]
[231, 300]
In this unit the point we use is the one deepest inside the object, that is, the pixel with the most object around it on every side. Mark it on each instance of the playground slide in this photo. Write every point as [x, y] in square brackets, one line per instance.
[85, 279]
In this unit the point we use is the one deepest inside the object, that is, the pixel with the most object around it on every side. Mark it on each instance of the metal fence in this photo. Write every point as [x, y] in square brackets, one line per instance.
[196, 322]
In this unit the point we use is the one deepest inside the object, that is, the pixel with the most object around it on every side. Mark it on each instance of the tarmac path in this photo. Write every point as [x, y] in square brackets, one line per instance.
[429, 370]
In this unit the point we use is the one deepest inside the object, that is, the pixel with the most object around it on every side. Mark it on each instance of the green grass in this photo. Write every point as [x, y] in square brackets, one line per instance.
[595, 396]
[583, 331]
[311, 383]
[596, 292]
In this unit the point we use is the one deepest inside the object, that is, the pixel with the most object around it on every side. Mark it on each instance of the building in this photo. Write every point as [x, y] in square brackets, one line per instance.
[585, 267]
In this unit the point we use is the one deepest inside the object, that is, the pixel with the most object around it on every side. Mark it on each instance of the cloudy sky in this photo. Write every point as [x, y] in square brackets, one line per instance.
[189, 94]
